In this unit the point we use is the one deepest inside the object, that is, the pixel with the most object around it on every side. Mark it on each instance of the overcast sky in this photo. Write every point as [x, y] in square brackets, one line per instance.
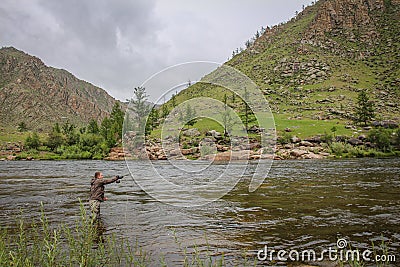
[119, 44]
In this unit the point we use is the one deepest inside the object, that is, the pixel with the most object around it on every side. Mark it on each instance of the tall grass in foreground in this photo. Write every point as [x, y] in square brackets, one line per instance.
[40, 244]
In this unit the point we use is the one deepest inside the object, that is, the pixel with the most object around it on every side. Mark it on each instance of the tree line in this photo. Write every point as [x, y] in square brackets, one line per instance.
[93, 141]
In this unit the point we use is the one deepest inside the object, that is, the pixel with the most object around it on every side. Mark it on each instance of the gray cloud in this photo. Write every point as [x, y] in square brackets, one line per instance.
[118, 44]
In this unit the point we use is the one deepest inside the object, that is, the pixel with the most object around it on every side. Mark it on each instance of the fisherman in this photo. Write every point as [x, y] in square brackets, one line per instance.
[97, 192]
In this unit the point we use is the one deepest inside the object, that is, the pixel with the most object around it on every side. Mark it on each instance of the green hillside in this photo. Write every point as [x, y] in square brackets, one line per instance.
[312, 68]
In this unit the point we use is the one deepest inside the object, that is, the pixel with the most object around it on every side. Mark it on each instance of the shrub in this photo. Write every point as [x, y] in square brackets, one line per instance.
[327, 138]
[397, 138]
[285, 139]
[33, 141]
[338, 148]
[381, 138]
[55, 140]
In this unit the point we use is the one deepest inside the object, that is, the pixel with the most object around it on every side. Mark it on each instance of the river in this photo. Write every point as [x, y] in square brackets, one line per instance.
[301, 205]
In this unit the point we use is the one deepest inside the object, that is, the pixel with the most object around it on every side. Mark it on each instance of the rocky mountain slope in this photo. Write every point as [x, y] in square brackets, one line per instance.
[313, 66]
[39, 96]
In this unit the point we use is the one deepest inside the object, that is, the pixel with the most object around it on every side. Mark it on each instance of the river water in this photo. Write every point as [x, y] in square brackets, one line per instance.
[301, 205]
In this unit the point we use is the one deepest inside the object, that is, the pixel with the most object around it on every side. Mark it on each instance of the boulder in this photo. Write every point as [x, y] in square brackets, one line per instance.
[311, 155]
[208, 140]
[306, 144]
[362, 137]
[325, 154]
[11, 157]
[192, 132]
[230, 155]
[354, 142]
[174, 152]
[162, 157]
[386, 124]
[315, 139]
[390, 124]
[298, 152]
[186, 151]
[295, 139]
[352, 127]
[222, 148]
[288, 146]
[214, 134]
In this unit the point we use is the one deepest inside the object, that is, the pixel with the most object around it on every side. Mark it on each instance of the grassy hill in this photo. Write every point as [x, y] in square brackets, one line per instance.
[312, 68]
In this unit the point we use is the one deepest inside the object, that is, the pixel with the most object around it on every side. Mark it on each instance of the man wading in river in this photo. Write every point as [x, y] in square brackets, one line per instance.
[97, 192]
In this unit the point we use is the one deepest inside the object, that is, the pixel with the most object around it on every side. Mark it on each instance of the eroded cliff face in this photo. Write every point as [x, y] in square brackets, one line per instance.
[354, 18]
[39, 95]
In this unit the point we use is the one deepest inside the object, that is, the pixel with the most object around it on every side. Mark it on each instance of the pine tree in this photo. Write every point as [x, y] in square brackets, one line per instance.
[364, 109]
[140, 108]
[173, 100]
[117, 121]
[189, 115]
[152, 120]
[246, 109]
[93, 127]
[227, 117]
[22, 127]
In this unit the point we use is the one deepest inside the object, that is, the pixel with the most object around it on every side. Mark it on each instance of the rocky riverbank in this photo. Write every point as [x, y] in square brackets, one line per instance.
[219, 150]
[212, 146]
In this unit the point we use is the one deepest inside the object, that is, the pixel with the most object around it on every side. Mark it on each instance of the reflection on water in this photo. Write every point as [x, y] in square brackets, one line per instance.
[301, 205]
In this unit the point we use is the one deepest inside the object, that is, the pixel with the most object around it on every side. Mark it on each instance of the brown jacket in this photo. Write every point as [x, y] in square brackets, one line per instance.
[97, 188]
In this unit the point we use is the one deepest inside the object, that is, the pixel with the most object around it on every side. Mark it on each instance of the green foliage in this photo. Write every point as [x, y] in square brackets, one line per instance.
[164, 111]
[190, 113]
[55, 139]
[339, 148]
[247, 109]
[152, 120]
[365, 109]
[56, 128]
[345, 150]
[327, 138]
[173, 100]
[105, 130]
[91, 142]
[111, 128]
[206, 149]
[33, 141]
[68, 128]
[73, 152]
[285, 138]
[333, 130]
[140, 108]
[93, 127]
[397, 137]
[381, 138]
[22, 127]
[117, 120]
[227, 117]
